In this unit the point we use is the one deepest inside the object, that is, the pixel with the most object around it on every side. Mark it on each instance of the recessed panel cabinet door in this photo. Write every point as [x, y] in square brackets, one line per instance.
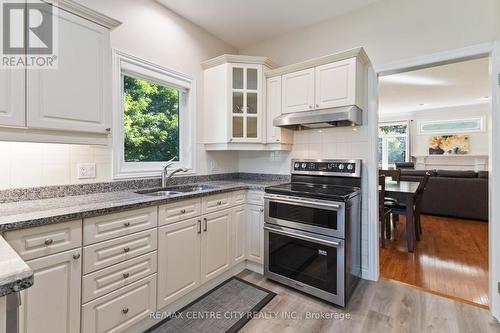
[238, 233]
[74, 96]
[52, 304]
[12, 101]
[178, 260]
[273, 108]
[215, 244]
[298, 91]
[336, 84]
[255, 233]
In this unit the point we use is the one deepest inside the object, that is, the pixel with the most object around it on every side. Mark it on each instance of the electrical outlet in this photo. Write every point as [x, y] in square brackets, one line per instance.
[85, 170]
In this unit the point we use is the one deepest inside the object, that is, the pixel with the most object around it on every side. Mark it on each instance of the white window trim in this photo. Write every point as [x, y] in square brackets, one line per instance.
[123, 64]
[385, 161]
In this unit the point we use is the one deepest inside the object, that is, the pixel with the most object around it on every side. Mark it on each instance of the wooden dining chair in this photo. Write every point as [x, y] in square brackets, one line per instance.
[384, 211]
[393, 174]
[400, 209]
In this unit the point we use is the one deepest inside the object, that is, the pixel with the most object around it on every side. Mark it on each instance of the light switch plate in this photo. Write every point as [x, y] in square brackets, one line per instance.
[85, 170]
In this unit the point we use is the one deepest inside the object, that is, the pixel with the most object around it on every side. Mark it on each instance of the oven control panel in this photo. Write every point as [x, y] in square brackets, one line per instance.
[345, 168]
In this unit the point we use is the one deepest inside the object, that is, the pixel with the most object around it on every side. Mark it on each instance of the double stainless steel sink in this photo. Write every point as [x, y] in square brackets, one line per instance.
[178, 190]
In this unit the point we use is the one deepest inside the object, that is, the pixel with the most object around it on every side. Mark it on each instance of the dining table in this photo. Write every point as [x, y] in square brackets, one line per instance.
[404, 192]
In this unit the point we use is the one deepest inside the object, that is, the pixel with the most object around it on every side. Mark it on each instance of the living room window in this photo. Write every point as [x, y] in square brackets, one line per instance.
[393, 145]
[153, 118]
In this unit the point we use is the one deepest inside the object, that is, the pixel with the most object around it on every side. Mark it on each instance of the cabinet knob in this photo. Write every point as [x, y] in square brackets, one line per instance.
[49, 241]
[183, 211]
[230, 139]
[277, 140]
[125, 310]
[126, 224]
[262, 210]
[108, 129]
[126, 249]
[219, 203]
[126, 275]
[76, 256]
[310, 106]
[317, 105]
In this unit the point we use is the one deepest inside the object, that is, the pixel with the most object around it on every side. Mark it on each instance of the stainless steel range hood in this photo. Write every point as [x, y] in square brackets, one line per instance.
[334, 117]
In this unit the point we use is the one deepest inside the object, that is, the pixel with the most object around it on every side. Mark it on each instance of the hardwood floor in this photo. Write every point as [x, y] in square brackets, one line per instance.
[451, 259]
[383, 306]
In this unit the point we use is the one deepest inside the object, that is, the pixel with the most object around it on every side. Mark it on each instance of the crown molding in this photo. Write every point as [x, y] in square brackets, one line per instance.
[358, 52]
[235, 58]
[85, 12]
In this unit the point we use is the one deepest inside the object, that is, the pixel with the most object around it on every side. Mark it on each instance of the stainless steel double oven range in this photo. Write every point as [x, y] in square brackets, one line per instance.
[313, 229]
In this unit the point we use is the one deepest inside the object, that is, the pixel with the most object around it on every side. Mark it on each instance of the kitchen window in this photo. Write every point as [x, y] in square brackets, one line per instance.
[393, 144]
[153, 118]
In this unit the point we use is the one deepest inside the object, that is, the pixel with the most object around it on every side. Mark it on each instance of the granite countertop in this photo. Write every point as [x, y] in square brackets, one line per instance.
[32, 213]
[15, 275]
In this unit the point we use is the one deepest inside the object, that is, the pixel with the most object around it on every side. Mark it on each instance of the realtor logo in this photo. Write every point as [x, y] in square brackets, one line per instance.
[28, 34]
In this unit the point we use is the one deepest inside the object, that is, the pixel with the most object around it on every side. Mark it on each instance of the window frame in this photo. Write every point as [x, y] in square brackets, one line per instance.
[124, 64]
[385, 150]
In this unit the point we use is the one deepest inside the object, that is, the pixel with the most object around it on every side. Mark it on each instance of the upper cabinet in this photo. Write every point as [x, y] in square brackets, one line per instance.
[275, 135]
[235, 114]
[328, 82]
[71, 102]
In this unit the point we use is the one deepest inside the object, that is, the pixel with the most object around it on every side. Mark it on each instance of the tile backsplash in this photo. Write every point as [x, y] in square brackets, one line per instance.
[39, 164]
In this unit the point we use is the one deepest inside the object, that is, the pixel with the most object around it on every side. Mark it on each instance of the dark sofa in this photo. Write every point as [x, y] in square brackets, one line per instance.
[461, 194]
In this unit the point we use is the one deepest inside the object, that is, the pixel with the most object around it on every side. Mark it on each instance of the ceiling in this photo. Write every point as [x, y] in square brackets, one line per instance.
[462, 83]
[242, 23]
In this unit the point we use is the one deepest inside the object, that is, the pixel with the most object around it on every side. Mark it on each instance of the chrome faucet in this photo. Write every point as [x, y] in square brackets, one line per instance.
[165, 176]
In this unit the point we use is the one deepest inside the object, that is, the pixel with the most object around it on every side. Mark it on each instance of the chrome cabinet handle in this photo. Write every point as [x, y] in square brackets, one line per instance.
[199, 226]
[183, 211]
[108, 129]
[126, 275]
[76, 256]
[262, 210]
[205, 228]
[127, 249]
[49, 241]
[125, 310]
[303, 202]
[126, 224]
[304, 237]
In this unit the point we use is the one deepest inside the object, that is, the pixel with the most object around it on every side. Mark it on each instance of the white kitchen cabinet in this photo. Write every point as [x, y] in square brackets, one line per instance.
[52, 304]
[75, 96]
[12, 98]
[215, 244]
[255, 233]
[336, 84]
[298, 91]
[179, 260]
[238, 234]
[273, 110]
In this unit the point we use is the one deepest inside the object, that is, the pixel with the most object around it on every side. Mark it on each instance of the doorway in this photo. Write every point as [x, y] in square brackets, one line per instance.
[437, 119]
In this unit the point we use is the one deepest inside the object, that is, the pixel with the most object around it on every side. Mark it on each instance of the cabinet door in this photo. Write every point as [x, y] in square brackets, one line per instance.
[255, 233]
[298, 91]
[336, 84]
[12, 101]
[215, 244]
[178, 260]
[246, 103]
[238, 234]
[74, 96]
[52, 304]
[273, 108]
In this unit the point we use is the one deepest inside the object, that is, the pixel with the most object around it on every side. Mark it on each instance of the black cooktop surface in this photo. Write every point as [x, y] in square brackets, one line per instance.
[318, 191]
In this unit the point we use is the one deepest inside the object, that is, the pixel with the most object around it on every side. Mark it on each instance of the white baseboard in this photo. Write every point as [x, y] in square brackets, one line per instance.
[255, 267]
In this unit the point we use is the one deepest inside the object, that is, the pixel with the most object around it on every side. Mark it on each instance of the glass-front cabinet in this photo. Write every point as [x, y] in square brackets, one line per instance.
[246, 103]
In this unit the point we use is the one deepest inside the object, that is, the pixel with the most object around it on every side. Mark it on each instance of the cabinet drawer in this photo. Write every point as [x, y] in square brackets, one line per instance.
[238, 198]
[178, 211]
[45, 240]
[255, 198]
[215, 203]
[121, 308]
[101, 228]
[109, 279]
[117, 250]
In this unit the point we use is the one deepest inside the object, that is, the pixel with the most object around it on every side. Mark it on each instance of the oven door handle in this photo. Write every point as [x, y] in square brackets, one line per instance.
[299, 201]
[304, 237]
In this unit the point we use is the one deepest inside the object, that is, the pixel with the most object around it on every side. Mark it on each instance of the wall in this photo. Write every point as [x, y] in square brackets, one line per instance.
[391, 30]
[151, 32]
[479, 141]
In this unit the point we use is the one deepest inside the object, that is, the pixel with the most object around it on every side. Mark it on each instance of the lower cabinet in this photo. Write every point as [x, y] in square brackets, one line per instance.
[52, 304]
[238, 234]
[215, 244]
[179, 259]
[255, 233]
[120, 309]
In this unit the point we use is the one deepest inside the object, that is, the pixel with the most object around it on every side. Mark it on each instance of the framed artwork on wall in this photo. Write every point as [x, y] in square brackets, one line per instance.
[449, 145]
